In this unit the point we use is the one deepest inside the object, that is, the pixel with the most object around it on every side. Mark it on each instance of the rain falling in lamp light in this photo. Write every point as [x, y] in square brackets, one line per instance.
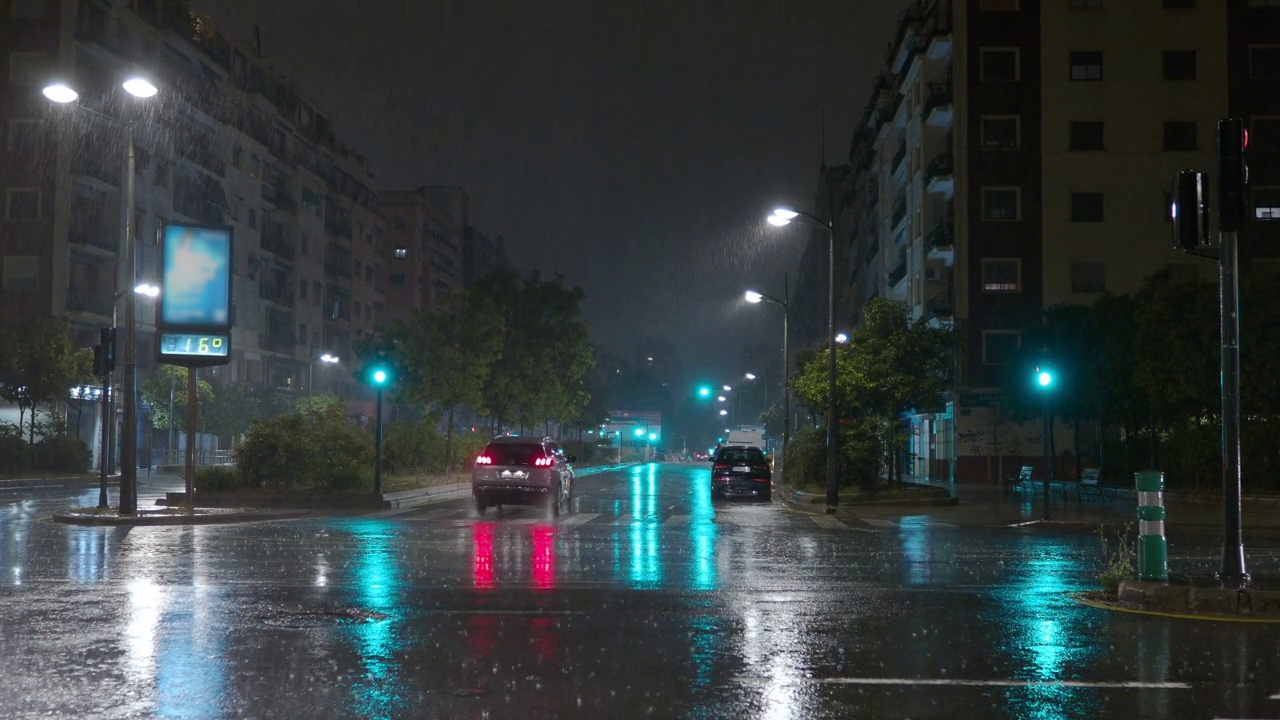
[754, 298]
[779, 218]
[138, 87]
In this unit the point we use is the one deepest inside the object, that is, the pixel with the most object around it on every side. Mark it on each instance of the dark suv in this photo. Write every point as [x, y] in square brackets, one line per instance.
[523, 471]
[741, 470]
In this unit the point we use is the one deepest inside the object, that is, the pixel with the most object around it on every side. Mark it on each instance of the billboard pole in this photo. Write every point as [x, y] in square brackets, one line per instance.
[191, 437]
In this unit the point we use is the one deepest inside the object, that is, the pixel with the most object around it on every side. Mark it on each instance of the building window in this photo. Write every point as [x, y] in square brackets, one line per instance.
[21, 204]
[1264, 62]
[28, 68]
[1000, 64]
[1178, 4]
[21, 271]
[399, 222]
[1001, 203]
[1086, 4]
[998, 5]
[302, 293]
[401, 252]
[162, 173]
[1266, 203]
[1179, 64]
[22, 135]
[1001, 275]
[1000, 131]
[1086, 136]
[1086, 207]
[29, 9]
[317, 290]
[355, 266]
[1000, 346]
[1088, 277]
[1086, 65]
[397, 278]
[1180, 135]
[237, 156]
[253, 219]
[368, 273]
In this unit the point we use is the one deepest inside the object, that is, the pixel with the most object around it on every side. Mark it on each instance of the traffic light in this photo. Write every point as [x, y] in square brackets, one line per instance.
[1233, 173]
[704, 391]
[378, 370]
[1190, 210]
[1044, 377]
[104, 353]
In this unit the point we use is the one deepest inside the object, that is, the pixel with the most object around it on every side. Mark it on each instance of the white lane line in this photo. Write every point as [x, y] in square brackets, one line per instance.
[876, 522]
[1274, 697]
[623, 520]
[580, 519]
[677, 520]
[826, 521]
[1120, 685]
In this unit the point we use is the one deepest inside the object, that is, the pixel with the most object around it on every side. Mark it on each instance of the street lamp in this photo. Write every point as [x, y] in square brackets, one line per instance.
[779, 218]
[1044, 381]
[311, 366]
[138, 87]
[754, 297]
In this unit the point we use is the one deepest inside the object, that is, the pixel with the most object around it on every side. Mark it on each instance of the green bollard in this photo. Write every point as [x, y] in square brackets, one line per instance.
[1153, 548]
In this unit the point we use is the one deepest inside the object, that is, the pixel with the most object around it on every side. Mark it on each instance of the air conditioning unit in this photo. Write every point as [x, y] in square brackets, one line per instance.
[934, 274]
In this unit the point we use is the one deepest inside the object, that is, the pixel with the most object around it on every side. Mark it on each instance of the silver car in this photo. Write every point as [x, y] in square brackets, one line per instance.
[523, 471]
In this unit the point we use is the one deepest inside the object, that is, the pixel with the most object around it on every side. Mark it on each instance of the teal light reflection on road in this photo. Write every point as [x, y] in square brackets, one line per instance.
[914, 531]
[645, 567]
[377, 589]
[702, 534]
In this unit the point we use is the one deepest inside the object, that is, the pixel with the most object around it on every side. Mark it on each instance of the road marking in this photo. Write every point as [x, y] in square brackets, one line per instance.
[826, 521]
[876, 522]
[580, 519]
[677, 520]
[1121, 685]
[1274, 697]
[622, 519]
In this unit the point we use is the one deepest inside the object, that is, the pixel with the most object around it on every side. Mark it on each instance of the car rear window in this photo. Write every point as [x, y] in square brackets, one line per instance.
[751, 456]
[513, 453]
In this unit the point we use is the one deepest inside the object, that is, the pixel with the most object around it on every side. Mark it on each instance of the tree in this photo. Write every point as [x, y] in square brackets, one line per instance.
[38, 366]
[229, 411]
[171, 381]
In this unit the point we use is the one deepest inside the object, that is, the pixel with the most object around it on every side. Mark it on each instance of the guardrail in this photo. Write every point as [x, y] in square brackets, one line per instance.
[178, 458]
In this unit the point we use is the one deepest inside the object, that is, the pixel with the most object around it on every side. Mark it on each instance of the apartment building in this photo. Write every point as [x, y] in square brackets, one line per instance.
[423, 247]
[225, 142]
[1016, 154]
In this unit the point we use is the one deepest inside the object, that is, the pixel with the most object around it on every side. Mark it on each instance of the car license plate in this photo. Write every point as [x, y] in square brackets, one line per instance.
[513, 474]
[741, 468]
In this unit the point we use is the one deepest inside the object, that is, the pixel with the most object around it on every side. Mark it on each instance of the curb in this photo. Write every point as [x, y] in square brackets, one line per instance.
[71, 518]
[794, 497]
[1139, 608]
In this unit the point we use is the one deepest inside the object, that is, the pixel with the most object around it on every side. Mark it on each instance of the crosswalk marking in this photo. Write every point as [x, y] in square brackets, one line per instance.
[677, 520]
[879, 523]
[580, 519]
[623, 519]
[826, 521]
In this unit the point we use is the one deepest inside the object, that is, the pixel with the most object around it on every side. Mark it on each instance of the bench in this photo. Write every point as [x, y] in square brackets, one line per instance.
[1089, 483]
[1023, 483]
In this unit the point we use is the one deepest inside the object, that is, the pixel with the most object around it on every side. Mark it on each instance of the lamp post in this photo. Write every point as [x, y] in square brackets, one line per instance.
[779, 218]
[141, 88]
[1044, 383]
[757, 297]
[324, 358]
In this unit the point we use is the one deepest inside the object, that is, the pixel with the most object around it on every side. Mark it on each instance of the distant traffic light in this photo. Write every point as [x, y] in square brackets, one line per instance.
[1044, 377]
[378, 370]
[704, 391]
[1233, 173]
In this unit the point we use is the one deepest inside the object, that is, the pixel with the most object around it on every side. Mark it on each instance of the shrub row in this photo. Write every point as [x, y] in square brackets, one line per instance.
[55, 453]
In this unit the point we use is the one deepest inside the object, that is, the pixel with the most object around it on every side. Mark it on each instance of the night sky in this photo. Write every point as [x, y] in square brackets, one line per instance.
[635, 147]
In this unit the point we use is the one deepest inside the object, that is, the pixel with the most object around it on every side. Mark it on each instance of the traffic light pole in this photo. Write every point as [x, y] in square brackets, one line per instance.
[1044, 438]
[103, 462]
[1232, 571]
[377, 446]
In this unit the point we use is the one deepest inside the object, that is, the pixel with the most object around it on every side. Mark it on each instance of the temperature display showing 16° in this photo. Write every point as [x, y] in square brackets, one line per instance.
[193, 344]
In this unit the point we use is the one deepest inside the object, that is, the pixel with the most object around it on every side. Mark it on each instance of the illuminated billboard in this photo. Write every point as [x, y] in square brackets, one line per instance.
[195, 295]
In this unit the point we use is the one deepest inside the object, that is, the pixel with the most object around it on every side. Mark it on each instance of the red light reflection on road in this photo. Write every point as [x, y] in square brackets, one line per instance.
[482, 555]
[544, 557]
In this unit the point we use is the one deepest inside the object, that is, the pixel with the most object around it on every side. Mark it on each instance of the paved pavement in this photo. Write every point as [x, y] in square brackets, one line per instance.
[648, 601]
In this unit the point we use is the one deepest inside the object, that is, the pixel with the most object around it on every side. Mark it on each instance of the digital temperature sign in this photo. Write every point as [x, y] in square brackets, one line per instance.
[193, 344]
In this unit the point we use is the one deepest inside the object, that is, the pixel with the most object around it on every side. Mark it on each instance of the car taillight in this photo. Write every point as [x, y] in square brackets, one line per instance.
[763, 468]
[484, 460]
[543, 461]
[720, 468]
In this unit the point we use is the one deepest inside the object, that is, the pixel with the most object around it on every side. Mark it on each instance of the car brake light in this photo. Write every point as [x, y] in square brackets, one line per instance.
[543, 461]
[719, 468]
[484, 460]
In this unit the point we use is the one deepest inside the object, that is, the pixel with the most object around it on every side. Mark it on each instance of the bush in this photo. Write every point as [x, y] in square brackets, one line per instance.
[806, 461]
[321, 450]
[15, 454]
[62, 453]
[411, 448]
[219, 478]
[467, 446]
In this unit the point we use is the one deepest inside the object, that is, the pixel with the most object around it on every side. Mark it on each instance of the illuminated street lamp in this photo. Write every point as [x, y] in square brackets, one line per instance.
[138, 87]
[758, 297]
[842, 338]
[779, 218]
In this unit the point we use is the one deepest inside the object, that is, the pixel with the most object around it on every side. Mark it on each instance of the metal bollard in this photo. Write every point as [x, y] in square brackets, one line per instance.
[1153, 548]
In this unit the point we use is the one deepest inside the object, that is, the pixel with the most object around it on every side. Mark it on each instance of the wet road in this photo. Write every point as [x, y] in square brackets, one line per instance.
[647, 601]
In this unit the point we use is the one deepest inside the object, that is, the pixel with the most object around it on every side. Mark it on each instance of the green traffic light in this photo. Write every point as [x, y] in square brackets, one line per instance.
[704, 391]
[379, 376]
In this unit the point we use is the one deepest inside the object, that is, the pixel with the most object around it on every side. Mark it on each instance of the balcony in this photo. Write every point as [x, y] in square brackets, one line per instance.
[873, 249]
[873, 197]
[899, 159]
[87, 163]
[939, 243]
[940, 306]
[938, 106]
[93, 234]
[86, 300]
[198, 151]
[337, 262]
[939, 176]
[274, 241]
[899, 210]
[278, 290]
[898, 274]
[278, 342]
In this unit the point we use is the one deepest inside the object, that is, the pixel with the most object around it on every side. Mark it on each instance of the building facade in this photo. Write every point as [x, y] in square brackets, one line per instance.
[1015, 155]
